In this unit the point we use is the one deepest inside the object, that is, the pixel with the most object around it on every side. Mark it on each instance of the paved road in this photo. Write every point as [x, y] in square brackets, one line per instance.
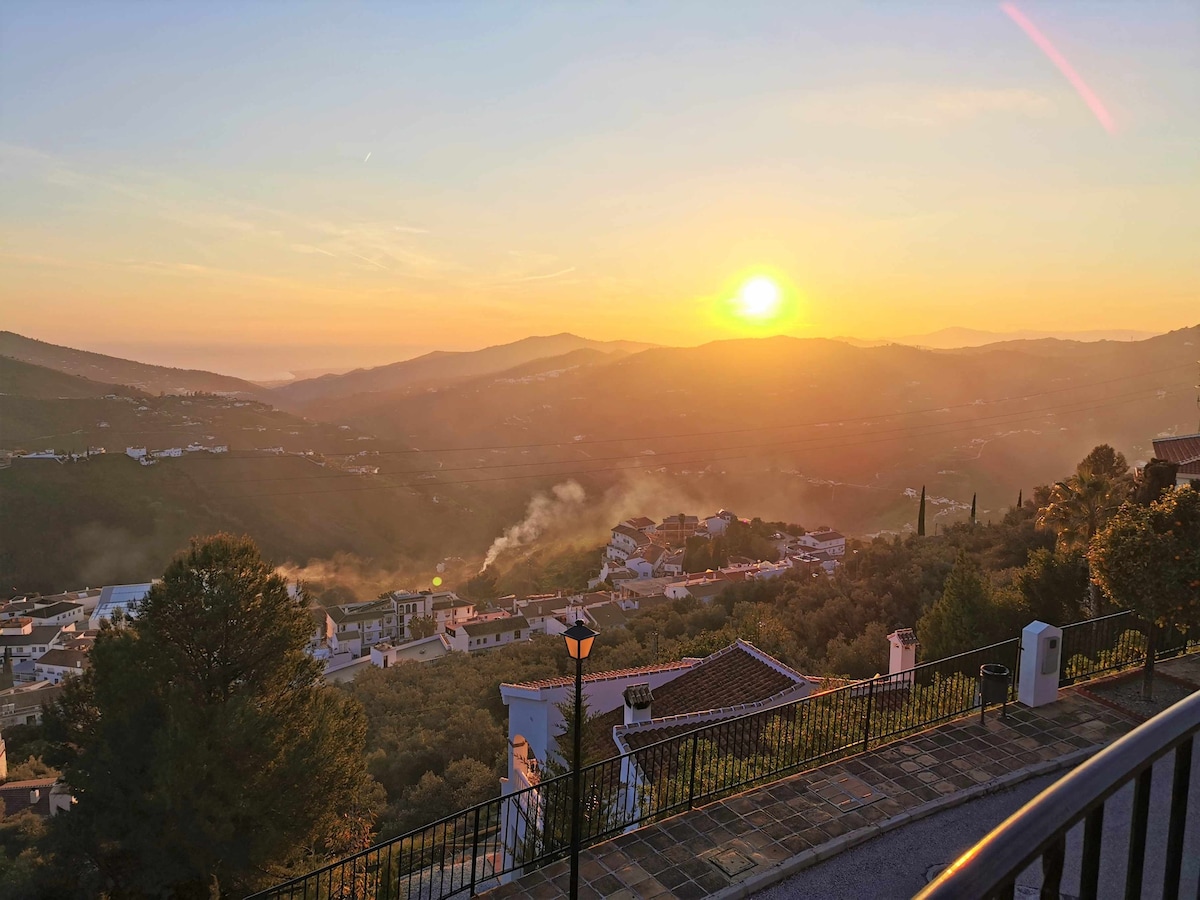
[900, 863]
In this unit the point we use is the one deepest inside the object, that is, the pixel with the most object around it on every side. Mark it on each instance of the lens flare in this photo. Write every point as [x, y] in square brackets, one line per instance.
[759, 298]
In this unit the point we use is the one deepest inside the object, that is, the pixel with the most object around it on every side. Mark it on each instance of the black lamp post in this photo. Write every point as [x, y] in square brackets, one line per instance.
[579, 640]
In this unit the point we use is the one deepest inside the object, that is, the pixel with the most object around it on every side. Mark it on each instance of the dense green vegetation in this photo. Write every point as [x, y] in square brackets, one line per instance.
[203, 753]
[434, 736]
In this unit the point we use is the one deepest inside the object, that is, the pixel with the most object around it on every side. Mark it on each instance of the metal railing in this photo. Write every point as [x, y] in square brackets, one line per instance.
[1110, 643]
[1039, 829]
[470, 850]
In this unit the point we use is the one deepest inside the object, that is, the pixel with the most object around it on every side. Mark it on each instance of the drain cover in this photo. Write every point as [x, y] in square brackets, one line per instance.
[731, 862]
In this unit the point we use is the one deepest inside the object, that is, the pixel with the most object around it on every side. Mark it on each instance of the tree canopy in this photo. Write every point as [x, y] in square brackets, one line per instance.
[1147, 559]
[201, 747]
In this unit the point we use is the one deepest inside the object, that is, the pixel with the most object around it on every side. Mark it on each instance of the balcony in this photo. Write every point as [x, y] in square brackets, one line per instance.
[740, 804]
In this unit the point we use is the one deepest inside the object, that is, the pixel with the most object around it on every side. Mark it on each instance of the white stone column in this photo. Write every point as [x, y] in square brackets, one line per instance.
[1041, 658]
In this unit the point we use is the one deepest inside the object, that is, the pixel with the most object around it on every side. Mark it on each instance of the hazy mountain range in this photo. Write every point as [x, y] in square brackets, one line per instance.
[807, 430]
[951, 338]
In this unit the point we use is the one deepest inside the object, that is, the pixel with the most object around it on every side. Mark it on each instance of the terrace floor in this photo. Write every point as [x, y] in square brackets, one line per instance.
[741, 844]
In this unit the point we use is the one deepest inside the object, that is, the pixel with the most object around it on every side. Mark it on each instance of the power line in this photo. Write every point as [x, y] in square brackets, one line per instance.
[659, 464]
[678, 435]
[982, 420]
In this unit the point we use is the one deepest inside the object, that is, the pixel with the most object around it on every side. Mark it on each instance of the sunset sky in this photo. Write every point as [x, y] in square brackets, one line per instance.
[356, 183]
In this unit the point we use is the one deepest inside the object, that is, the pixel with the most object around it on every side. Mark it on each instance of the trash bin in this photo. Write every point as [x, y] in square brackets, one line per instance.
[993, 685]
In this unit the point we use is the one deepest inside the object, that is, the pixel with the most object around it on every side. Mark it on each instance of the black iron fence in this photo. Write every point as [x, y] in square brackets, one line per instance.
[1110, 643]
[1039, 831]
[531, 827]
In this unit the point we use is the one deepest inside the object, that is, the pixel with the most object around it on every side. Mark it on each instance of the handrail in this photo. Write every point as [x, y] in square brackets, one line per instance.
[1028, 833]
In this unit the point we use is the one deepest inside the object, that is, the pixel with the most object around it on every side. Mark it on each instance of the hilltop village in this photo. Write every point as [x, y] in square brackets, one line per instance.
[45, 639]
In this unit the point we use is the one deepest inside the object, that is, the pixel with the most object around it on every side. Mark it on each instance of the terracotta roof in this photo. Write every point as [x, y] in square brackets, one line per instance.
[607, 615]
[632, 533]
[707, 590]
[72, 659]
[737, 676]
[1182, 449]
[54, 609]
[905, 636]
[15, 795]
[496, 626]
[730, 677]
[827, 536]
[39, 634]
[547, 607]
[603, 676]
[638, 522]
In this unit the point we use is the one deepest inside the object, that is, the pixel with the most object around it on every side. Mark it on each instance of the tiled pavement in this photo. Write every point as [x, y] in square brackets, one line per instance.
[732, 845]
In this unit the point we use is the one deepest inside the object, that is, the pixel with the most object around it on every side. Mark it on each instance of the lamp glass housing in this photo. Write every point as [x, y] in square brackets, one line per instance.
[579, 640]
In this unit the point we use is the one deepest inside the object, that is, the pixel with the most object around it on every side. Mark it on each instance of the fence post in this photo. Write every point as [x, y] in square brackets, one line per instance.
[867, 723]
[692, 777]
[474, 849]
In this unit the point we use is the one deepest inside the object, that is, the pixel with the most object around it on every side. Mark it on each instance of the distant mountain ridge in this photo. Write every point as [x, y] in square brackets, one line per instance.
[113, 370]
[440, 366]
[955, 338]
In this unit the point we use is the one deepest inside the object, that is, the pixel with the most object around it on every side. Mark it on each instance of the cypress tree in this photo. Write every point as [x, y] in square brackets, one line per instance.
[921, 515]
[1020, 499]
[973, 496]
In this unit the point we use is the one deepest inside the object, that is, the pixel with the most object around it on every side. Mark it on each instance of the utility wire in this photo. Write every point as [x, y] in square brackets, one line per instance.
[982, 420]
[656, 463]
[678, 435]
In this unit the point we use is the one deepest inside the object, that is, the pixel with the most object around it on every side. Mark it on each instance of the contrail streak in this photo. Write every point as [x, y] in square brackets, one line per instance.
[368, 156]
[1043, 43]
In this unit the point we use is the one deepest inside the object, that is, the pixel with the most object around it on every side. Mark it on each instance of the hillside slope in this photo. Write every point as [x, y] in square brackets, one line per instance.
[437, 367]
[24, 379]
[110, 369]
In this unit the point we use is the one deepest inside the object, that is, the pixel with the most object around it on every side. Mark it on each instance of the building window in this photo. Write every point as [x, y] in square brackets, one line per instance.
[516, 635]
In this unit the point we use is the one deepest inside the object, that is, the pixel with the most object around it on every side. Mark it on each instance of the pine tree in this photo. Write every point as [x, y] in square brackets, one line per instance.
[921, 515]
[201, 746]
[960, 618]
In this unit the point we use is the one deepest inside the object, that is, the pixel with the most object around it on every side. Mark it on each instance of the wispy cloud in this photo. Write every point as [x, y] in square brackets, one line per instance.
[883, 106]
[545, 277]
[381, 246]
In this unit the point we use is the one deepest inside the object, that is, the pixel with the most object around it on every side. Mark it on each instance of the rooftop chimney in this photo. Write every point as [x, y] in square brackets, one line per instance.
[637, 704]
[903, 650]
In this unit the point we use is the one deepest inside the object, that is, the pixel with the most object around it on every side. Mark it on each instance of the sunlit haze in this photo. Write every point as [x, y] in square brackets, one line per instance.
[265, 188]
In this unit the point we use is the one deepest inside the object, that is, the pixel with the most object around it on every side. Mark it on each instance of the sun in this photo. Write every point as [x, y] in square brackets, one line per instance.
[759, 298]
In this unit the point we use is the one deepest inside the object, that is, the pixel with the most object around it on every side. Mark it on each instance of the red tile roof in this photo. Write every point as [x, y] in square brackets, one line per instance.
[1182, 449]
[739, 675]
[15, 795]
[604, 676]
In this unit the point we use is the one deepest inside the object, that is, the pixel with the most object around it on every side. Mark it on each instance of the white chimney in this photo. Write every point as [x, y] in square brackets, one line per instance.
[903, 650]
[637, 704]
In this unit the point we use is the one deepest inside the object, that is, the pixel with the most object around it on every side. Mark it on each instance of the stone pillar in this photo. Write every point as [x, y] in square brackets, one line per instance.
[1041, 652]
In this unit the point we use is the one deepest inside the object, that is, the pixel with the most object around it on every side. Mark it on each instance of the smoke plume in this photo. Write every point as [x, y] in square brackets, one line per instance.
[543, 513]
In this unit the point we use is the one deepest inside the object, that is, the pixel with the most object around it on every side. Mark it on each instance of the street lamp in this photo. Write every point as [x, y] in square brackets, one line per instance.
[579, 640]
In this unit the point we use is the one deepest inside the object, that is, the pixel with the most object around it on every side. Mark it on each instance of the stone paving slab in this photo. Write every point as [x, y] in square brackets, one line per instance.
[734, 846]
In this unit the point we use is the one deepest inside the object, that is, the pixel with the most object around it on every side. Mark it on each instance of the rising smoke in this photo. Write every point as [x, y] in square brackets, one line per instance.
[545, 512]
